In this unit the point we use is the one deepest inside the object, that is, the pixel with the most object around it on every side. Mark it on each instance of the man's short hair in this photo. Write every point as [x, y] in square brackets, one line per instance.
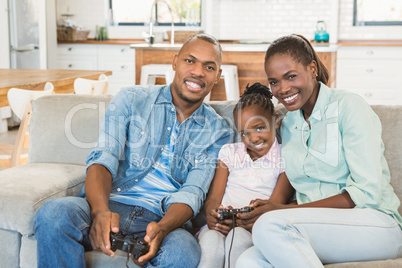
[207, 38]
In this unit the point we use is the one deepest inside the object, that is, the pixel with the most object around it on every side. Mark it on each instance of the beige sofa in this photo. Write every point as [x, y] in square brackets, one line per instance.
[63, 130]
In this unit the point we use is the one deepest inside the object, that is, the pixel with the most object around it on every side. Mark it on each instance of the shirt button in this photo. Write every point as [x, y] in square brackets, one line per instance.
[169, 128]
[161, 149]
[172, 109]
[142, 132]
[118, 189]
[196, 161]
[136, 180]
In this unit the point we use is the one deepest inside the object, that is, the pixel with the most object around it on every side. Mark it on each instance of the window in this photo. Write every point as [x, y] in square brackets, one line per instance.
[138, 12]
[374, 12]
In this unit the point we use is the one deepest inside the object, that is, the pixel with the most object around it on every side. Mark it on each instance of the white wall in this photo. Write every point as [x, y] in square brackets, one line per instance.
[4, 40]
[248, 19]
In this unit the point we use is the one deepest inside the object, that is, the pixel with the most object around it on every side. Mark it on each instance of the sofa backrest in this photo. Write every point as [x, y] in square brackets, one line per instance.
[64, 128]
[390, 117]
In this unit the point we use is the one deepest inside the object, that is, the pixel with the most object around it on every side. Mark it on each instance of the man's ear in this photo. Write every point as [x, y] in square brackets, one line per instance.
[175, 62]
[218, 77]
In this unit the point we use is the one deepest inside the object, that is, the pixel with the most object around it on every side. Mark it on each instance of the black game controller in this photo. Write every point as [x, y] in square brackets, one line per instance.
[128, 243]
[229, 213]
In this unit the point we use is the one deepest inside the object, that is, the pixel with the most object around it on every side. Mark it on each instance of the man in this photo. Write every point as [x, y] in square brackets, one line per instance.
[149, 172]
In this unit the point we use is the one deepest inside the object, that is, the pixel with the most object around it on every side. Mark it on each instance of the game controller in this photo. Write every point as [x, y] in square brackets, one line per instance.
[128, 243]
[228, 213]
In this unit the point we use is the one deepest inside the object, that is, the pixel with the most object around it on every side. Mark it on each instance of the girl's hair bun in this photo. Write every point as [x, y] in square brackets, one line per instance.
[256, 94]
[258, 88]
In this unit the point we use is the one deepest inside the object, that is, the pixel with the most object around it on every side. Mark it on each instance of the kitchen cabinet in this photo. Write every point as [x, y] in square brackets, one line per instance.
[77, 57]
[120, 60]
[372, 72]
[117, 58]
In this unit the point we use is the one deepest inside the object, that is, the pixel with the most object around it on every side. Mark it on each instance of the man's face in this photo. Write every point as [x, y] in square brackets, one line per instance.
[197, 69]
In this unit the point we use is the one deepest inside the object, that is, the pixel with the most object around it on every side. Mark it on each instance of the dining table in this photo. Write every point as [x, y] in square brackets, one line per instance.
[35, 79]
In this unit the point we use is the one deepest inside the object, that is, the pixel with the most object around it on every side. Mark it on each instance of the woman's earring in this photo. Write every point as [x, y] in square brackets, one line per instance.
[316, 75]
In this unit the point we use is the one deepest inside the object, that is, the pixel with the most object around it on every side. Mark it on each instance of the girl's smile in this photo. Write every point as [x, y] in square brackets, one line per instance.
[256, 127]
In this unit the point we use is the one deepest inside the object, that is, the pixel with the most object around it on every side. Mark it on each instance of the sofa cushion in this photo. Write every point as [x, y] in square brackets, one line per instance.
[370, 264]
[391, 135]
[225, 109]
[64, 128]
[9, 248]
[25, 188]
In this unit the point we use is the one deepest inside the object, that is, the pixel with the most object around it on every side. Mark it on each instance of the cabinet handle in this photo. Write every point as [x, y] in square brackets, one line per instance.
[70, 66]
[368, 94]
[70, 49]
[370, 52]
[123, 50]
[123, 67]
[369, 70]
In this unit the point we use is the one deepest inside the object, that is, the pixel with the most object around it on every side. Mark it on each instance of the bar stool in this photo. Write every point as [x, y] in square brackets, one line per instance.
[150, 72]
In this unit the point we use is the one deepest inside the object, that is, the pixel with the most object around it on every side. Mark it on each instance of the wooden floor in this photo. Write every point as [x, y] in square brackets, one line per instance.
[9, 136]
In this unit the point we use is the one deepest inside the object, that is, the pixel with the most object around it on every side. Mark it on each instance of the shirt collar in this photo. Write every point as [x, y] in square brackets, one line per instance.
[324, 95]
[166, 97]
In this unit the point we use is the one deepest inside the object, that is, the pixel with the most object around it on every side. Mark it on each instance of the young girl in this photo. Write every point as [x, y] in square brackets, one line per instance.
[331, 142]
[245, 171]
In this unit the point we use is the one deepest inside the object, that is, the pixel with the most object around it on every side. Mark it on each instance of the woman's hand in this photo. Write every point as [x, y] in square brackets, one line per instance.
[247, 220]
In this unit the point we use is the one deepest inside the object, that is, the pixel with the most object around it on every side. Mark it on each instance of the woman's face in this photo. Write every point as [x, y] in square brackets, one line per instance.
[293, 84]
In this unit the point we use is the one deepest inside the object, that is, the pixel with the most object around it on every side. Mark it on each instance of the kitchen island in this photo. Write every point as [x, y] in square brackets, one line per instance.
[249, 59]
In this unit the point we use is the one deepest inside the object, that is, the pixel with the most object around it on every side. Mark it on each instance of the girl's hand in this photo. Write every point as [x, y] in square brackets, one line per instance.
[214, 223]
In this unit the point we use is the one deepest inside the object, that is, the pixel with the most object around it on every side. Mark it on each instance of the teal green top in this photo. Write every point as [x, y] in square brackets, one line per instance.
[341, 151]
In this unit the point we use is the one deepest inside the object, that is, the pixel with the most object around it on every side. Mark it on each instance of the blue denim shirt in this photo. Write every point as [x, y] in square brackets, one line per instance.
[136, 129]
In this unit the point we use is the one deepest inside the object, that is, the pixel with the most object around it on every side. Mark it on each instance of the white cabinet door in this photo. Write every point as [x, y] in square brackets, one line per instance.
[371, 72]
[120, 59]
[77, 57]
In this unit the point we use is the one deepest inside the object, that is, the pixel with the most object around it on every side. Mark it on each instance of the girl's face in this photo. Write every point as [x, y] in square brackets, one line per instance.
[256, 127]
[293, 84]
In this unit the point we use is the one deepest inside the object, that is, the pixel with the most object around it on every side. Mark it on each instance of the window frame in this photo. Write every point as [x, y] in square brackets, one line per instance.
[371, 23]
[156, 23]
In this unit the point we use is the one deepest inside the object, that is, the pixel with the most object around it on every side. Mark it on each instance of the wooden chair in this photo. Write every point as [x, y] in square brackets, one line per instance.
[92, 87]
[20, 102]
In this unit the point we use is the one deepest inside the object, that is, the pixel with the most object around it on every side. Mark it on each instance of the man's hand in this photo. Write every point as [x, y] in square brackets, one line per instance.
[154, 238]
[99, 235]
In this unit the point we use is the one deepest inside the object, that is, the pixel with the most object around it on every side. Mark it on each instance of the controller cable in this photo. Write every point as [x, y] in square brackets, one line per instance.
[128, 255]
[231, 242]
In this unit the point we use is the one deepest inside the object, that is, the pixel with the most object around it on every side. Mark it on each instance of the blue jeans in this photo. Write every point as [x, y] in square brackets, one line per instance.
[62, 232]
[311, 237]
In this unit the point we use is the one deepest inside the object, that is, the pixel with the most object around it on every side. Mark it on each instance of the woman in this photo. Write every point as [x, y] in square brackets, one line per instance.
[345, 209]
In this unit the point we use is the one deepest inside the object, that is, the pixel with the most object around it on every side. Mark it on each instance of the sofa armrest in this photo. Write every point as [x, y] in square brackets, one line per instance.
[25, 188]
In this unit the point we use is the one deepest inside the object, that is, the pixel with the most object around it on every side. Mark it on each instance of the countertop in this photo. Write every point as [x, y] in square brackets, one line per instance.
[237, 45]
[227, 45]
[249, 47]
